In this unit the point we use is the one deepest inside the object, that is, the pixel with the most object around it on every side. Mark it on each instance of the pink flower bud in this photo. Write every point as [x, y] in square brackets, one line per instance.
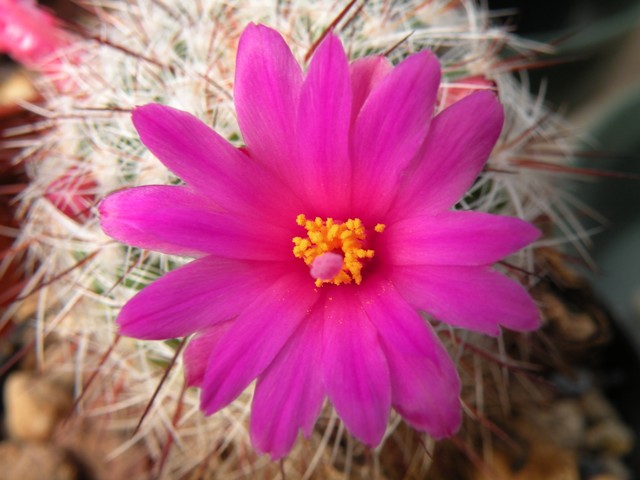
[73, 194]
[455, 91]
[28, 33]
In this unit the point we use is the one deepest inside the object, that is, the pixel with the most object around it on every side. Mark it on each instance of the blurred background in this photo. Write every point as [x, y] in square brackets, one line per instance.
[593, 77]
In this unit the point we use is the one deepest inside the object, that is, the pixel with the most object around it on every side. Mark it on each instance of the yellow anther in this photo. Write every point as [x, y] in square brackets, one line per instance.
[347, 239]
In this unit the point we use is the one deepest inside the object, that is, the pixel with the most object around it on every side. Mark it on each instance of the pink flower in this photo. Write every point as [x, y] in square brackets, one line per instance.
[344, 164]
[28, 33]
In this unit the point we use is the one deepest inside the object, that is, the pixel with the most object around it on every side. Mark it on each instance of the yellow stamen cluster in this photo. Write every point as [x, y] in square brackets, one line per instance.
[347, 238]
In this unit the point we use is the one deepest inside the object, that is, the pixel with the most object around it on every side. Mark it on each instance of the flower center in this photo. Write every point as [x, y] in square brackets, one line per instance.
[335, 252]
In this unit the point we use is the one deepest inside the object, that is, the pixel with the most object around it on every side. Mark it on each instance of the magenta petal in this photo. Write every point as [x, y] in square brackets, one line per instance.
[475, 298]
[390, 129]
[354, 368]
[459, 143]
[456, 238]
[324, 118]
[255, 338]
[266, 92]
[289, 394]
[177, 221]
[426, 388]
[203, 159]
[198, 352]
[366, 73]
[424, 382]
[202, 293]
[396, 321]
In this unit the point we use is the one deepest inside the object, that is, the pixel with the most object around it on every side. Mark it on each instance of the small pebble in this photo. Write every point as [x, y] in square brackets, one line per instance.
[562, 423]
[596, 407]
[34, 405]
[610, 436]
[32, 461]
[544, 462]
